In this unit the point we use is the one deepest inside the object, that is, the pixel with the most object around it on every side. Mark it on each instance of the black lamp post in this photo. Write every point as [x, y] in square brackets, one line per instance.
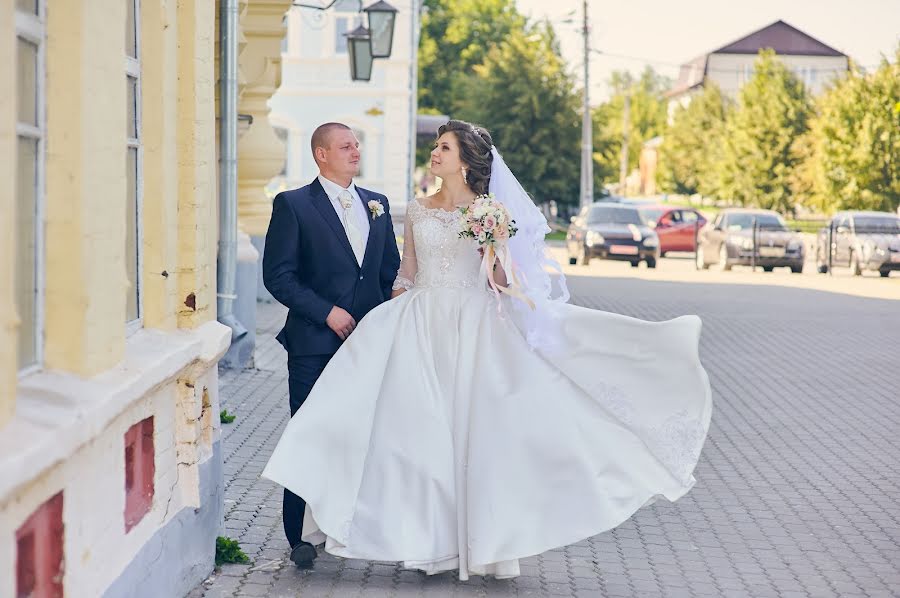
[382, 17]
[359, 49]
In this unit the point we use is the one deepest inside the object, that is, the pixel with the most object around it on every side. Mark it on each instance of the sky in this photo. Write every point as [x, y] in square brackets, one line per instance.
[668, 33]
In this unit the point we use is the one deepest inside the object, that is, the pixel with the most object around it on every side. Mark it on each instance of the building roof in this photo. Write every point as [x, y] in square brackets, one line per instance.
[781, 37]
[691, 75]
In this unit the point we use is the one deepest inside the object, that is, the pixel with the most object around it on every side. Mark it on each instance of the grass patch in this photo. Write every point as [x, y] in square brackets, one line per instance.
[225, 417]
[557, 235]
[229, 551]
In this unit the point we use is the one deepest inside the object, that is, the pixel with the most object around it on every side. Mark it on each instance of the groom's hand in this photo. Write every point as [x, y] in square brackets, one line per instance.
[341, 322]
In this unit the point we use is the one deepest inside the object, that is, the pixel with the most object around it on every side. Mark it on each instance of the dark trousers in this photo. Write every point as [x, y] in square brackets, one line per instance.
[303, 371]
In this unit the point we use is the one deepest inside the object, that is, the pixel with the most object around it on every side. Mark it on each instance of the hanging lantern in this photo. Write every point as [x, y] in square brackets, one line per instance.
[360, 51]
[382, 17]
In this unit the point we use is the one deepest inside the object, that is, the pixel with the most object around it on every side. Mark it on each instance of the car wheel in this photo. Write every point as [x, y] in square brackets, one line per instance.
[768, 268]
[884, 273]
[701, 260]
[585, 256]
[799, 269]
[723, 265]
[651, 262]
[634, 264]
[855, 268]
[662, 254]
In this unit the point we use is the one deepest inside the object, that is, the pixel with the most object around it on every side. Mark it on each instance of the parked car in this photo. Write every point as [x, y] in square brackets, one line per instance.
[674, 225]
[729, 241]
[861, 241]
[611, 231]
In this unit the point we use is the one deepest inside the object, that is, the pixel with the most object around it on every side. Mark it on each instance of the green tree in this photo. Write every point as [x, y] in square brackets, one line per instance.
[856, 150]
[759, 155]
[524, 96]
[692, 144]
[646, 119]
[456, 36]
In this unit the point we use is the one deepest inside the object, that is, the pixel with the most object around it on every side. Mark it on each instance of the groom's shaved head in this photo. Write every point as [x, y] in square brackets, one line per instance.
[321, 137]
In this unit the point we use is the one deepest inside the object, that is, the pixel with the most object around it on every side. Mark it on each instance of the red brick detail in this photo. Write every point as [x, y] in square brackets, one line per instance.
[140, 467]
[39, 552]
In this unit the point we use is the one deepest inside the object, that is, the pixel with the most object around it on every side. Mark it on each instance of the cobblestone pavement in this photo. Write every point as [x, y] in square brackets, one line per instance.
[798, 489]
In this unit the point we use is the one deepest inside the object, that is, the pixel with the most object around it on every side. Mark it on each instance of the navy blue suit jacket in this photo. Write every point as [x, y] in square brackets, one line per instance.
[309, 266]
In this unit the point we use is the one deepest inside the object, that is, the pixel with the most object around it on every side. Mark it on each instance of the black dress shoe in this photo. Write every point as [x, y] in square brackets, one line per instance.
[303, 554]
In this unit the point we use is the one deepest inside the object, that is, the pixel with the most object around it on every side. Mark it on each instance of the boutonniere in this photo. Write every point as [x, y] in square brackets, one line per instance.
[376, 209]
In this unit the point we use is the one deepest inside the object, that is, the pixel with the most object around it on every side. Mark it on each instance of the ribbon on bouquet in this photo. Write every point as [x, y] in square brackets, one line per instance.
[491, 256]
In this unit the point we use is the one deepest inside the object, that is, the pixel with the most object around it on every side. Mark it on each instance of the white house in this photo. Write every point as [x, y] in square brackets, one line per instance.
[815, 63]
[316, 88]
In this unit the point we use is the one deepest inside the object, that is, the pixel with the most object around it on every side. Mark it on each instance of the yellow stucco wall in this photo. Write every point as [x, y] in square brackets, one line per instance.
[8, 320]
[160, 129]
[131, 377]
[86, 282]
[196, 163]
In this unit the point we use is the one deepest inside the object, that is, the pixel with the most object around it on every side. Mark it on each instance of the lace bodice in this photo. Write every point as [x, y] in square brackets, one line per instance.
[434, 255]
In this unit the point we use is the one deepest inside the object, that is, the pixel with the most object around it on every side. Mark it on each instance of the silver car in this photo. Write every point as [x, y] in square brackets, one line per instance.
[740, 236]
[860, 241]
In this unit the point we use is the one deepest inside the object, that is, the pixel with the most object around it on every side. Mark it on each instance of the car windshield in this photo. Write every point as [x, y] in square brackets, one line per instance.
[613, 215]
[651, 215]
[764, 221]
[877, 224]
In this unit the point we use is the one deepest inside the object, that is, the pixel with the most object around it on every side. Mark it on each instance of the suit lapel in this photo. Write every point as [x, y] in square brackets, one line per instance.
[326, 209]
[374, 225]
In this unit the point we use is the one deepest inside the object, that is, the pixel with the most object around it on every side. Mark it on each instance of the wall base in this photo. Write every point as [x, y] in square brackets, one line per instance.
[182, 554]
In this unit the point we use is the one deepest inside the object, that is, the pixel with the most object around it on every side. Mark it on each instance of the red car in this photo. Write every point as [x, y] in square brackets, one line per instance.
[675, 225]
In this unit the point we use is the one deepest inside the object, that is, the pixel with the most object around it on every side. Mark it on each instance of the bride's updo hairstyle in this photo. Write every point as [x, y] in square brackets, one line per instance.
[474, 151]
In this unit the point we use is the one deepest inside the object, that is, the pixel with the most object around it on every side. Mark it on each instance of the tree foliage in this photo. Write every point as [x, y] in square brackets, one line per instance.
[855, 153]
[522, 93]
[759, 157]
[647, 119]
[693, 143]
[456, 36]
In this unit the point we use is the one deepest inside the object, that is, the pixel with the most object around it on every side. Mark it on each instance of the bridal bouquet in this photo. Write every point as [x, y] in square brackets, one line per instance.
[487, 221]
[490, 224]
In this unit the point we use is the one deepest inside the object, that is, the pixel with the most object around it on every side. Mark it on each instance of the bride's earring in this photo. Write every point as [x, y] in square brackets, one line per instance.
[464, 173]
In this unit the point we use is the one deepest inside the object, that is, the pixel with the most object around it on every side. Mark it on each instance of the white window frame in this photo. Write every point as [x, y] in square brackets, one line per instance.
[354, 20]
[32, 28]
[133, 69]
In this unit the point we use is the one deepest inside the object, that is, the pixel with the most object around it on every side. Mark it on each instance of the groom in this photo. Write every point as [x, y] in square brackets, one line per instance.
[330, 257]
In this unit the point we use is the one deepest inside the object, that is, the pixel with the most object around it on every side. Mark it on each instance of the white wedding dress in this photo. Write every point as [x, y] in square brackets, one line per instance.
[438, 437]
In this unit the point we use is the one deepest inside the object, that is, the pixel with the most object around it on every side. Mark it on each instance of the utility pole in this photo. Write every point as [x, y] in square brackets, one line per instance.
[587, 144]
[623, 163]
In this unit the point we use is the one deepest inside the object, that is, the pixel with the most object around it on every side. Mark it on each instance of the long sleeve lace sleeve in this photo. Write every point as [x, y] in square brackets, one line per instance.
[406, 275]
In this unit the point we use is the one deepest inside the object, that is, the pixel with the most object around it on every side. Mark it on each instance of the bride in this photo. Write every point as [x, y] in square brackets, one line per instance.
[457, 431]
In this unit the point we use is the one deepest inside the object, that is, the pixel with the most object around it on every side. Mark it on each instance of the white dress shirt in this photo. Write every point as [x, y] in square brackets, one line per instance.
[360, 212]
